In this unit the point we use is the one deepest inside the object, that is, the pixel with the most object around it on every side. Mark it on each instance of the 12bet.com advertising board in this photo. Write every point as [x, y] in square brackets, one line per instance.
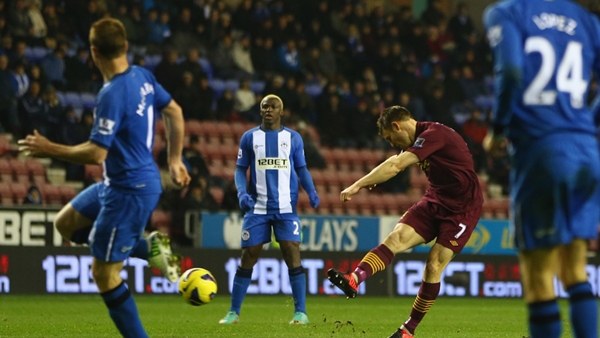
[67, 270]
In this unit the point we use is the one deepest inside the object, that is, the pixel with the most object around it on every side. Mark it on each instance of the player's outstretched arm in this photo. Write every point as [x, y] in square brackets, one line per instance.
[37, 145]
[383, 172]
[173, 116]
[308, 185]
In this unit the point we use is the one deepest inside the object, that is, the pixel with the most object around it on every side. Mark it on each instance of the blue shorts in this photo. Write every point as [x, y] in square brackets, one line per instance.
[119, 219]
[256, 229]
[555, 195]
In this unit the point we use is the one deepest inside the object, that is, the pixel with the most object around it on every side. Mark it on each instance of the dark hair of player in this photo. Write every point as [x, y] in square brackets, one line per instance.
[391, 114]
[109, 37]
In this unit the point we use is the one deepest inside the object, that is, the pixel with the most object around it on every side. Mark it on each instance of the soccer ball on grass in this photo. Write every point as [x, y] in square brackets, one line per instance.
[197, 286]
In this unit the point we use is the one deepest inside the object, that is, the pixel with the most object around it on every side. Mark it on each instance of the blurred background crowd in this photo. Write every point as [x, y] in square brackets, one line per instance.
[335, 64]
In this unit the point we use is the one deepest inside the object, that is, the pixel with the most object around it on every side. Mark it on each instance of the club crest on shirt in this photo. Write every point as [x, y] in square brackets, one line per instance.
[240, 153]
[245, 235]
[284, 145]
[424, 165]
[419, 142]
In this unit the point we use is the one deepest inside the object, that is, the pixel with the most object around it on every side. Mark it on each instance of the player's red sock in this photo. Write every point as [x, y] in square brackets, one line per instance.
[374, 261]
[425, 299]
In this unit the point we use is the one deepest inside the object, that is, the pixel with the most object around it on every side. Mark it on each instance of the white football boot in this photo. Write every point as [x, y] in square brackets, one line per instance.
[161, 257]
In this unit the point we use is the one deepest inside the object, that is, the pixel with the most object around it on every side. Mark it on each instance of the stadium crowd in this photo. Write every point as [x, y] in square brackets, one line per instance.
[335, 64]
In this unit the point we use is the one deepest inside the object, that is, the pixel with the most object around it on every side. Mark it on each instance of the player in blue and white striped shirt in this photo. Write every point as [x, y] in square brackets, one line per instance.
[275, 156]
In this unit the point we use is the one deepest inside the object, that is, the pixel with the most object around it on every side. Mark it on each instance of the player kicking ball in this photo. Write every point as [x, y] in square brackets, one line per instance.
[448, 211]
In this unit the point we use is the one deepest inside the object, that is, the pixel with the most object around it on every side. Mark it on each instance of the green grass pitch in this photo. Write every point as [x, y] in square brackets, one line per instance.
[265, 316]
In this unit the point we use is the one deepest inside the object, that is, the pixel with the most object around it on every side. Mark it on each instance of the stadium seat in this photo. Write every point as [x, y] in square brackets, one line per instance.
[193, 127]
[50, 194]
[355, 159]
[238, 129]
[161, 221]
[217, 193]
[5, 170]
[93, 172]
[35, 167]
[6, 194]
[218, 86]
[206, 67]
[88, 100]
[257, 86]
[328, 156]
[20, 171]
[73, 99]
[224, 129]
[232, 85]
[19, 191]
[4, 143]
[66, 192]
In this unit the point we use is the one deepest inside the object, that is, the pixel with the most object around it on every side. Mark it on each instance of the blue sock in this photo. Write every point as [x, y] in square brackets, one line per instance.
[80, 236]
[241, 281]
[140, 249]
[123, 311]
[584, 310]
[298, 283]
[544, 319]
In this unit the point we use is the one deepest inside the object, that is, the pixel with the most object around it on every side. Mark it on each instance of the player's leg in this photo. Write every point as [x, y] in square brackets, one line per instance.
[454, 233]
[412, 230]
[255, 232]
[437, 260]
[583, 307]
[118, 227]
[118, 299]
[74, 221]
[287, 233]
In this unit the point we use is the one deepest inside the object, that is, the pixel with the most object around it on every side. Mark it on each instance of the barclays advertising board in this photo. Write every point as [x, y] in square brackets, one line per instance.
[318, 233]
[347, 233]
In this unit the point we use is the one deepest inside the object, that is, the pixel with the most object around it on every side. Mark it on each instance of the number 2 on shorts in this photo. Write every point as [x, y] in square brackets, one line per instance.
[462, 229]
[296, 232]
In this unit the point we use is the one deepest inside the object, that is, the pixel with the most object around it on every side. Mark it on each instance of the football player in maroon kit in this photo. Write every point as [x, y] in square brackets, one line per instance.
[449, 210]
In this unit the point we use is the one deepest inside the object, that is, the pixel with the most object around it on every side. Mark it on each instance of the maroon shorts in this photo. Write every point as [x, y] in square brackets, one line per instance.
[431, 220]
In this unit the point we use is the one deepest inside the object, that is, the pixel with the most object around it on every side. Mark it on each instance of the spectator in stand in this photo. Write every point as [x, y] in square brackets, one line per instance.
[54, 66]
[18, 55]
[38, 25]
[33, 111]
[34, 196]
[5, 29]
[54, 115]
[288, 60]
[222, 59]
[225, 110]
[191, 64]
[327, 59]
[243, 16]
[8, 104]
[331, 121]
[434, 13]
[184, 30]
[360, 125]
[20, 80]
[77, 73]
[438, 107]
[461, 25]
[85, 18]
[472, 88]
[138, 36]
[159, 27]
[499, 167]
[198, 198]
[167, 72]
[187, 97]
[20, 21]
[35, 74]
[198, 167]
[230, 201]
[314, 159]
[264, 57]
[54, 23]
[244, 97]
[474, 130]
[242, 56]
[206, 97]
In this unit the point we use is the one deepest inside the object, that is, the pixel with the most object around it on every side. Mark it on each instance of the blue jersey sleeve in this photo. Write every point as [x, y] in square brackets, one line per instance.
[245, 151]
[298, 147]
[506, 43]
[106, 120]
[161, 97]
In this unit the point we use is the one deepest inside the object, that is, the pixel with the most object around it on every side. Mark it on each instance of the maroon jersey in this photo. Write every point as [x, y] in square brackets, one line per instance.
[448, 164]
